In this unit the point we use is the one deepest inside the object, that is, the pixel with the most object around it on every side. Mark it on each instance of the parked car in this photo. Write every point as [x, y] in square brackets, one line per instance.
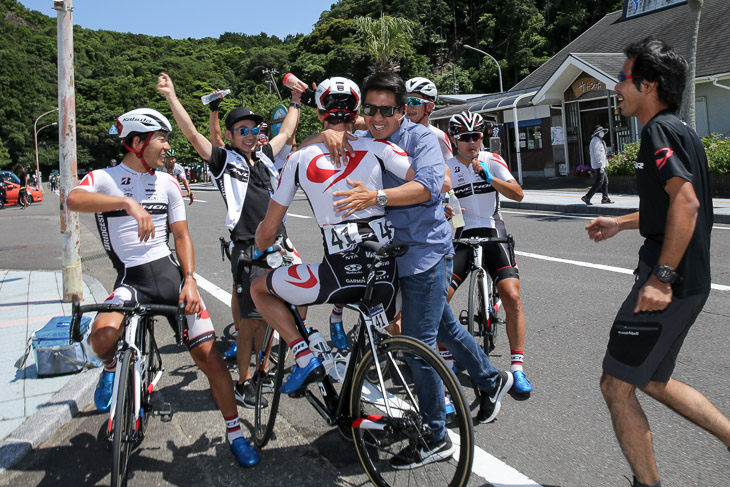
[12, 188]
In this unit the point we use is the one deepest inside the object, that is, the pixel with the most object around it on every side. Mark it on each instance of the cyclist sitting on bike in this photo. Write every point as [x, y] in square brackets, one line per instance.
[134, 205]
[478, 178]
[340, 278]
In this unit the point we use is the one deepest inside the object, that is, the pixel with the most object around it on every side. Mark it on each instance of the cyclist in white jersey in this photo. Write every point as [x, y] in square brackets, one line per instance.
[340, 277]
[134, 205]
[478, 179]
[245, 178]
[172, 167]
[421, 101]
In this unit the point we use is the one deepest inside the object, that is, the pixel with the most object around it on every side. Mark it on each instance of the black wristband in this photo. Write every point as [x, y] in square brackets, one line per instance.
[295, 105]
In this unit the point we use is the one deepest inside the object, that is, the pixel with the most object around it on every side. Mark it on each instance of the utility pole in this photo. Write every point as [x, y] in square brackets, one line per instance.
[271, 81]
[71, 256]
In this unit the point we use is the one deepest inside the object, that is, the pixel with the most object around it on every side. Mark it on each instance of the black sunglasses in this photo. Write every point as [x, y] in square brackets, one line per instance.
[470, 137]
[244, 131]
[385, 110]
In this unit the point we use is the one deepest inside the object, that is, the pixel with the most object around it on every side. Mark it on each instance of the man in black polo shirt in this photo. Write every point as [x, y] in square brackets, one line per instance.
[673, 278]
[245, 177]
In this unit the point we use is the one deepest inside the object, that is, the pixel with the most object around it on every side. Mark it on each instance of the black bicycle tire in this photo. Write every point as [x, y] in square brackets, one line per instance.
[154, 364]
[463, 420]
[123, 421]
[262, 432]
[496, 319]
[470, 302]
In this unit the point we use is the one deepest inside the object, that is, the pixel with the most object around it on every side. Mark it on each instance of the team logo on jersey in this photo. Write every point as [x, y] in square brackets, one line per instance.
[318, 174]
[353, 268]
[662, 156]
[309, 283]
[126, 181]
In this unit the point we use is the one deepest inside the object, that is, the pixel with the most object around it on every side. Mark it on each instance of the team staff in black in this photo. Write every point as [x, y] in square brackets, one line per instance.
[673, 278]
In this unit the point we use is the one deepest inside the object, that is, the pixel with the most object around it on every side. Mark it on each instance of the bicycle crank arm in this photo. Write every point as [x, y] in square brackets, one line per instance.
[321, 409]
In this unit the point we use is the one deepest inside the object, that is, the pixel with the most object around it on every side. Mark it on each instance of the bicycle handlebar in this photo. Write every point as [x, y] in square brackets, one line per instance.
[484, 240]
[77, 311]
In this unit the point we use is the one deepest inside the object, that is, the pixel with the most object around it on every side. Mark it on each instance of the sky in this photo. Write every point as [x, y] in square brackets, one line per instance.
[181, 19]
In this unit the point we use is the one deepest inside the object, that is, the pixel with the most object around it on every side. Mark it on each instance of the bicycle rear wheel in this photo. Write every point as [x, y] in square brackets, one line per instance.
[124, 424]
[154, 365]
[497, 317]
[269, 376]
[381, 433]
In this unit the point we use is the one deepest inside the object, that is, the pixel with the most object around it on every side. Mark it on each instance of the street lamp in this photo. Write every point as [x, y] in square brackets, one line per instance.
[35, 130]
[501, 89]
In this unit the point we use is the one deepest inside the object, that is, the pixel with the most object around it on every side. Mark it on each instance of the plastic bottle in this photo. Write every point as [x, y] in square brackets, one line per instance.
[206, 99]
[319, 346]
[290, 81]
[457, 220]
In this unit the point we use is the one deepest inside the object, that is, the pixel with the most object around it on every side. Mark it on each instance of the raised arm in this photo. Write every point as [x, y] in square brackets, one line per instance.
[202, 145]
[216, 137]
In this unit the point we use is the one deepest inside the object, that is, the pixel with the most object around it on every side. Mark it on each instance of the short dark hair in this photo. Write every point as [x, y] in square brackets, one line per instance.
[655, 61]
[385, 81]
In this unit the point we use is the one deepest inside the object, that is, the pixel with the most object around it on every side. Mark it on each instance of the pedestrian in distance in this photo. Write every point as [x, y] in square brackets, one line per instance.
[673, 276]
[599, 163]
[22, 192]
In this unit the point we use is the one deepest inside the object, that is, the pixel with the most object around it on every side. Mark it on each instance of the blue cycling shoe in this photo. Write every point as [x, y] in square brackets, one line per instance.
[246, 454]
[313, 372]
[522, 383]
[230, 354]
[450, 411]
[338, 335]
[103, 392]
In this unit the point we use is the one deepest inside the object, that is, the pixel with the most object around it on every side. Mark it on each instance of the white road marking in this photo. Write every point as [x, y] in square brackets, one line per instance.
[620, 270]
[485, 465]
[299, 216]
[562, 215]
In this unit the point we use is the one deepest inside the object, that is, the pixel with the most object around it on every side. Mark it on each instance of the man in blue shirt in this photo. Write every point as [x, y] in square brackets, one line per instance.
[415, 210]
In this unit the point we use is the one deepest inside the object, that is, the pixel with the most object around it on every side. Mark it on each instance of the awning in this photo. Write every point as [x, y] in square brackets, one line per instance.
[495, 103]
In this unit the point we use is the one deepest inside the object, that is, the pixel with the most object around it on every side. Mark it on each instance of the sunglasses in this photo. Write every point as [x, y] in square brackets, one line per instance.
[470, 137]
[244, 131]
[385, 110]
[622, 77]
[415, 101]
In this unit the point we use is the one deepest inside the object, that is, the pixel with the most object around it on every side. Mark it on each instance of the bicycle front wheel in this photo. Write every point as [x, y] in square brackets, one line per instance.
[497, 317]
[388, 418]
[269, 376]
[478, 306]
[124, 424]
[154, 365]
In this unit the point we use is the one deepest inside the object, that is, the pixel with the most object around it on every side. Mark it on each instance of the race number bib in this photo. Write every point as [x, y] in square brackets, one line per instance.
[341, 237]
[378, 317]
[384, 231]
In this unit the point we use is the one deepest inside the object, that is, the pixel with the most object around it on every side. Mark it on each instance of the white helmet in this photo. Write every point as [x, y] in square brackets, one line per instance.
[423, 86]
[338, 96]
[465, 122]
[142, 120]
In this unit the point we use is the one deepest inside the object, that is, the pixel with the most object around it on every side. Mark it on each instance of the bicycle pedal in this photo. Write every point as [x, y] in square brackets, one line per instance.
[299, 393]
[464, 317]
[165, 412]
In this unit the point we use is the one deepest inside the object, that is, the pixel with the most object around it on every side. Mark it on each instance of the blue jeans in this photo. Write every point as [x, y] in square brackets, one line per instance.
[424, 299]
[464, 347]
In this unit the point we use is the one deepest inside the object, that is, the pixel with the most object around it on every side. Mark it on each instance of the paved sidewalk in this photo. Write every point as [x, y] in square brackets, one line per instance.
[32, 408]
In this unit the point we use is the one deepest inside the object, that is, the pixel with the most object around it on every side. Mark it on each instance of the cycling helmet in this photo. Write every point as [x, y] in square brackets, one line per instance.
[339, 97]
[422, 86]
[171, 152]
[465, 122]
[142, 120]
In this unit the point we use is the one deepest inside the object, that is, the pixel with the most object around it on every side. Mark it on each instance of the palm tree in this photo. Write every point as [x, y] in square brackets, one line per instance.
[687, 110]
[386, 40]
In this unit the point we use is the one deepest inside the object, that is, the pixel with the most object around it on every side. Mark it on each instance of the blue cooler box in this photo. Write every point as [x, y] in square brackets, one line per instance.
[53, 350]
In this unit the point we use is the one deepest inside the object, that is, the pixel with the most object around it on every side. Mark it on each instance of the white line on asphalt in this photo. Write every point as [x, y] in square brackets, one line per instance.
[298, 216]
[562, 215]
[485, 465]
[620, 270]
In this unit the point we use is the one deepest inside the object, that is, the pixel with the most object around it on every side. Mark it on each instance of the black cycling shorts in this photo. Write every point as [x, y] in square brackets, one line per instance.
[643, 347]
[160, 282]
[496, 258]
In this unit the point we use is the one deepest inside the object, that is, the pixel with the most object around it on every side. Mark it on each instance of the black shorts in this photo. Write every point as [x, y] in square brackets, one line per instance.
[496, 258]
[160, 282]
[643, 347]
[340, 279]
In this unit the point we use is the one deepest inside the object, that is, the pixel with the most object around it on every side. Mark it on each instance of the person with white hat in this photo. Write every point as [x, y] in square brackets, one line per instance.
[599, 163]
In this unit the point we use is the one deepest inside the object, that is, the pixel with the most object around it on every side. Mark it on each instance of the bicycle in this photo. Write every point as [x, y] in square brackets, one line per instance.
[376, 406]
[139, 369]
[484, 305]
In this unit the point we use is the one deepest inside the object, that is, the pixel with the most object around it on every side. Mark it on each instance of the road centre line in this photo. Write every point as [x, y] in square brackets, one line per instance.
[298, 216]
[620, 270]
[563, 215]
[493, 470]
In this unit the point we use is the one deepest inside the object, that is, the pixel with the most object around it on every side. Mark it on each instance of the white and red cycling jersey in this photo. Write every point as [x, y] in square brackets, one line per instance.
[479, 199]
[444, 144]
[158, 193]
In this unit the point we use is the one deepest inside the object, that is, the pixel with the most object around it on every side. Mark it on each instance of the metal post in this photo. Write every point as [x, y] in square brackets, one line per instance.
[499, 69]
[517, 135]
[35, 138]
[71, 256]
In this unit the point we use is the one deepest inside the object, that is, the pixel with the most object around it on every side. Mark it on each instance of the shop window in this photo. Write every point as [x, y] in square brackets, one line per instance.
[530, 138]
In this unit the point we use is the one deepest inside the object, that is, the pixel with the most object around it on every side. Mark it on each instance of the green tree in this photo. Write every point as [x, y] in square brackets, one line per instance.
[387, 40]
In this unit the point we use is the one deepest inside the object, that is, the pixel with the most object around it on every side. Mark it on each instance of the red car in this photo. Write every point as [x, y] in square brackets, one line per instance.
[33, 194]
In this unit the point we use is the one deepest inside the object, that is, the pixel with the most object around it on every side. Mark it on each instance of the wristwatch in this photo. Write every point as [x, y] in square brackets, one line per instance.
[665, 274]
[381, 199]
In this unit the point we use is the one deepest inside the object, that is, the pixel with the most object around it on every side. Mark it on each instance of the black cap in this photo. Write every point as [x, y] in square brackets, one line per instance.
[242, 113]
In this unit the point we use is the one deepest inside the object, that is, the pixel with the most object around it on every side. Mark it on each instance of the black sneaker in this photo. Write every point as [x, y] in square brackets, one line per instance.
[246, 395]
[490, 403]
[606, 201]
[414, 456]
[586, 200]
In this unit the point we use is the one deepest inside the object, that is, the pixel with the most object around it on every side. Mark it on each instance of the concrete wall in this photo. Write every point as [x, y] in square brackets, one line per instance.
[718, 106]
